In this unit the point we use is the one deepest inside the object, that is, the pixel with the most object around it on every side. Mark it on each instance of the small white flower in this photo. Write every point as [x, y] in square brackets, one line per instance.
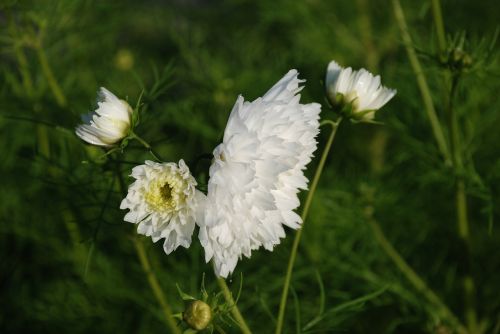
[163, 201]
[359, 88]
[256, 174]
[109, 123]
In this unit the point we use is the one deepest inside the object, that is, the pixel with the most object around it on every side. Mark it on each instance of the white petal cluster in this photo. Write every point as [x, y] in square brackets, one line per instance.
[360, 88]
[109, 123]
[163, 200]
[256, 174]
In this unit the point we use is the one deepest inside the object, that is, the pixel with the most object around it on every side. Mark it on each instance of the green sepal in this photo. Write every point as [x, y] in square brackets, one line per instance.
[184, 295]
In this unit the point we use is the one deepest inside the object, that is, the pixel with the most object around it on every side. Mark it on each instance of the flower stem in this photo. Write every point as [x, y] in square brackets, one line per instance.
[147, 146]
[146, 267]
[219, 329]
[23, 62]
[469, 287]
[410, 274]
[49, 75]
[234, 308]
[468, 281]
[437, 130]
[305, 211]
[42, 134]
[438, 22]
[364, 24]
[42, 137]
[155, 286]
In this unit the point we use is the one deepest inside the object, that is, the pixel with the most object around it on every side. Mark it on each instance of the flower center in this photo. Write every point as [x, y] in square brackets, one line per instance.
[166, 192]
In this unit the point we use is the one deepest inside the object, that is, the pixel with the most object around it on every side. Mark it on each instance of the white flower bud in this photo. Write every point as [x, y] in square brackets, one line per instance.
[360, 89]
[110, 122]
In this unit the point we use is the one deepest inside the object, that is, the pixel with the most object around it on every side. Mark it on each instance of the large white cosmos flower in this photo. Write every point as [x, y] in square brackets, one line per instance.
[163, 201]
[109, 123]
[256, 174]
[359, 88]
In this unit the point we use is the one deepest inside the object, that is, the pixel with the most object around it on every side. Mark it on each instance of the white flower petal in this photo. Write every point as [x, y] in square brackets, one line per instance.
[256, 173]
[109, 123]
[359, 87]
[86, 133]
[164, 202]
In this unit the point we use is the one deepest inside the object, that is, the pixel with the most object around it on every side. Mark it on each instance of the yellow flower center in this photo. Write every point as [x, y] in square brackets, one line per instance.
[166, 193]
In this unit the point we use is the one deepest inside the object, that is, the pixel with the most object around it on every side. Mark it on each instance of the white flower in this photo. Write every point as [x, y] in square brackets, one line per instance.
[109, 123]
[359, 88]
[256, 174]
[163, 201]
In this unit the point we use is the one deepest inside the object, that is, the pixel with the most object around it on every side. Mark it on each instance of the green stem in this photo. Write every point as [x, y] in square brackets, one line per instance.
[462, 216]
[21, 58]
[24, 69]
[422, 83]
[364, 23]
[142, 141]
[440, 32]
[296, 241]
[146, 267]
[43, 139]
[49, 75]
[456, 144]
[234, 308]
[42, 134]
[460, 193]
[468, 281]
[219, 329]
[155, 286]
[411, 275]
[147, 146]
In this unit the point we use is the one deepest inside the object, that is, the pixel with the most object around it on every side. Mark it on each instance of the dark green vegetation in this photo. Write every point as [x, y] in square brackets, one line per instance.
[68, 262]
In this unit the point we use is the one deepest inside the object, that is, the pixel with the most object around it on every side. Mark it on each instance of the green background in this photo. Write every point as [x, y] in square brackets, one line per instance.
[67, 262]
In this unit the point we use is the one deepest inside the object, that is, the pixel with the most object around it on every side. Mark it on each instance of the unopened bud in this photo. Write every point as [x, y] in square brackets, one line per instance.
[198, 315]
[460, 59]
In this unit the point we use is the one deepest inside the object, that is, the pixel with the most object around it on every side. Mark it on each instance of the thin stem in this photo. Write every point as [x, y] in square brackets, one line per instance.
[146, 267]
[42, 133]
[147, 146]
[49, 75]
[43, 139]
[100, 219]
[438, 21]
[468, 281]
[437, 130]
[234, 308]
[456, 143]
[219, 329]
[21, 59]
[305, 211]
[460, 193]
[364, 23]
[155, 286]
[462, 216]
[24, 69]
[411, 275]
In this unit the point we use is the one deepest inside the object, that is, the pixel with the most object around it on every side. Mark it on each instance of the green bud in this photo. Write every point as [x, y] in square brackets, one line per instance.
[466, 61]
[457, 55]
[197, 315]
[459, 59]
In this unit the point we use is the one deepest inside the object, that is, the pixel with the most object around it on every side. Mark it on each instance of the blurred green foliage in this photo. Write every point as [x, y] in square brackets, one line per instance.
[67, 261]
